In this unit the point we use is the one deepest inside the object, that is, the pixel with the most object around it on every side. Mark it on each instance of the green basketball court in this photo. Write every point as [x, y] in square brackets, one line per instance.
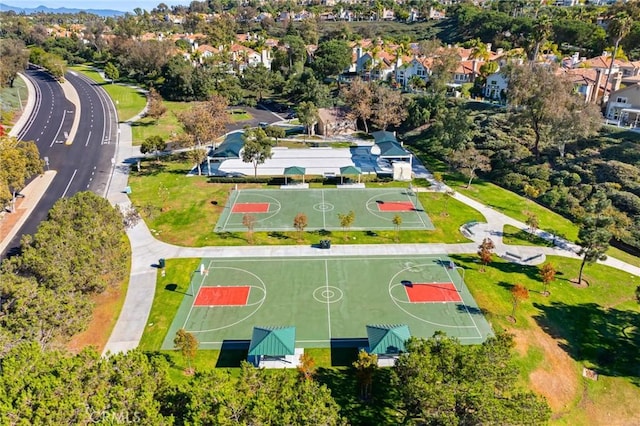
[275, 209]
[327, 299]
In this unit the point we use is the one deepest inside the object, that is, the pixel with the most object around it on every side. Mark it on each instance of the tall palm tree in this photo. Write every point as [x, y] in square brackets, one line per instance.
[541, 33]
[618, 29]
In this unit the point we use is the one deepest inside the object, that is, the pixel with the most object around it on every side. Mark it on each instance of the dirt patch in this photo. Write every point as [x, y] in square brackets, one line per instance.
[556, 379]
[582, 284]
[102, 322]
[521, 341]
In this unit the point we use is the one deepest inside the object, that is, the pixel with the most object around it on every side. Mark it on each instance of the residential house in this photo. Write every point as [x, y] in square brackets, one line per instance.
[420, 67]
[624, 106]
[335, 121]
[496, 86]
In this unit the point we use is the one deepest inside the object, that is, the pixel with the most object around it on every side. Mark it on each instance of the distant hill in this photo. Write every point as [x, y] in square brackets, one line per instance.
[45, 9]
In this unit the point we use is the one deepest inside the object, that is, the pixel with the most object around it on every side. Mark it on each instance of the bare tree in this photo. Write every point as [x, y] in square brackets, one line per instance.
[359, 96]
[469, 161]
[390, 107]
[249, 221]
[300, 222]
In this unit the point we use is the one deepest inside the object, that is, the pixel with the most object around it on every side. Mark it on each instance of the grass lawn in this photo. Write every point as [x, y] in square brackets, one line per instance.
[555, 337]
[574, 327]
[193, 207]
[514, 205]
[12, 100]
[239, 115]
[165, 127]
[129, 101]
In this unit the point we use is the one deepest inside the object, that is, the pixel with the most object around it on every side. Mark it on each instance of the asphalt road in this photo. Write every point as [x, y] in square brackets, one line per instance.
[83, 165]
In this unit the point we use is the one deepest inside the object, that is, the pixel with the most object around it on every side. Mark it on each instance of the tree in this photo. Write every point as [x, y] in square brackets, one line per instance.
[532, 221]
[257, 148]
[547, 274]
[618, 29]
[359, 96]
[79, 248]
[469, 161]
[519, 293]
[308, 115]
[442, 382]
[366, 366]
[300, 222]
[188, 345]
[111, 72]
[249, 221]
[454, 130]
[485, 252]
[257, 80]
[548, 105]
[202, 124]
[594, 233]
[18, 162]
[331, 58]
[33, 313]
[307, 366]
[389, 107]
[206, 121]
[153, 144]
[15, 58]
[156, 107]
[275, 132]
[397, 221]
[346, 221]
[542, 30]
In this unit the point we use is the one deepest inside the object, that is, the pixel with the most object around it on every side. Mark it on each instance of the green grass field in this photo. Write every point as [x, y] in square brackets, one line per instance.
[12, 100]
[274, 209]
[128, 100]
[188, 214]
[327, 299]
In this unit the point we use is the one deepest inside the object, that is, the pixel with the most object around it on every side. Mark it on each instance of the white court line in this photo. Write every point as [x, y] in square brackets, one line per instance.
[464, 303]
[233, 203]
[202, 342]
[346, 257]
[194, 297]
[416, 205]
[324, 220]
[326, 283]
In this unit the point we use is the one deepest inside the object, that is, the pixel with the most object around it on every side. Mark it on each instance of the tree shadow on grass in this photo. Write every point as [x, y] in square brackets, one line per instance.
[607, 340]
[278, 235]
[232, 353]
[345, 390]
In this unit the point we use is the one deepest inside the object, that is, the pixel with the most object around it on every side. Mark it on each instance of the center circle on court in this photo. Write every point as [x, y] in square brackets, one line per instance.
[323, 207]
[328, 294]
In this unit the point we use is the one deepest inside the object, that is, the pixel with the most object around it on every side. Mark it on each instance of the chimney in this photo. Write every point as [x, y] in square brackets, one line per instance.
[489, 47]
[358, 52]
[617, 79]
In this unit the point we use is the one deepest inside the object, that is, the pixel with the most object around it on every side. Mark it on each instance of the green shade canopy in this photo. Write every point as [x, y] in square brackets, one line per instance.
[273, 341]
[294, 171]
[392, 149]
[230, 148]
[383, 136]
[350, 170]
[385, 339]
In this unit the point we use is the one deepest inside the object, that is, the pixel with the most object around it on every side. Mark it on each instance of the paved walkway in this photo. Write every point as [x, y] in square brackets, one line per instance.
[146, 250]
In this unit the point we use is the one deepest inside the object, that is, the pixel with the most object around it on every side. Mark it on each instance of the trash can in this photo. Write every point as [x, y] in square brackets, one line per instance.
[161, 263]
[325, 244]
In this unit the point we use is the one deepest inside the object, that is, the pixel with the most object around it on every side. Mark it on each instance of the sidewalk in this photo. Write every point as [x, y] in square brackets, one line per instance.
[10, 223]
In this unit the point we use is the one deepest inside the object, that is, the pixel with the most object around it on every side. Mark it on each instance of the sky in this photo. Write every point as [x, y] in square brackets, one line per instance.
[123, 5]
